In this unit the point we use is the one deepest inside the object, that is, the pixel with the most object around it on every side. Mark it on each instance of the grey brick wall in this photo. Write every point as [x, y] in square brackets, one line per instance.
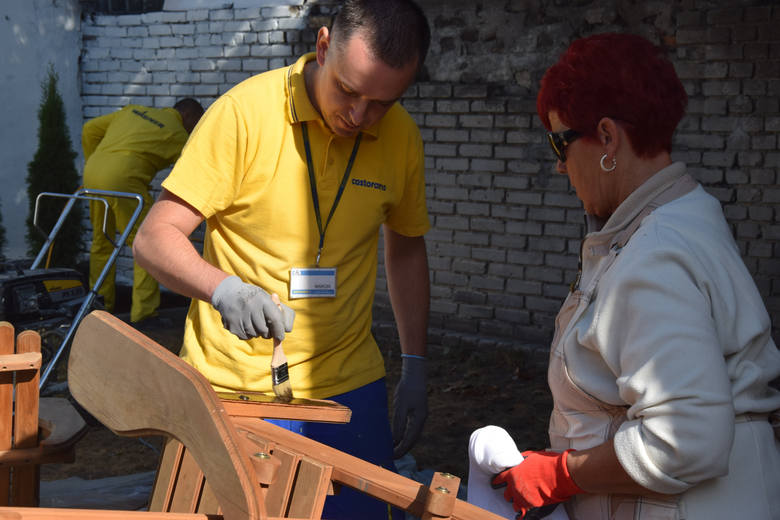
[506, 227]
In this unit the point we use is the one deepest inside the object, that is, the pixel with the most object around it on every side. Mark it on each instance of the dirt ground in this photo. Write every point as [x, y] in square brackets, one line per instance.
[466, 389]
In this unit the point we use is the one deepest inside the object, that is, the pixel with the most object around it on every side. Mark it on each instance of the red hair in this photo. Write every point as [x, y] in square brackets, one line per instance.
[621, 76]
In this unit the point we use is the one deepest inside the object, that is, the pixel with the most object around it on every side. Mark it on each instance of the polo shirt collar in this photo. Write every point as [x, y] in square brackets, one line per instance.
[299, 107]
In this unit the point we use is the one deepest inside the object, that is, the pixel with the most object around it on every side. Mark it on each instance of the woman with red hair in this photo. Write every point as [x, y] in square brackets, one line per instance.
[662, 356]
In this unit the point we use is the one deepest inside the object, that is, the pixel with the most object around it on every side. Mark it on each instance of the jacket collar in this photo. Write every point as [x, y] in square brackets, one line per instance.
[636, 202]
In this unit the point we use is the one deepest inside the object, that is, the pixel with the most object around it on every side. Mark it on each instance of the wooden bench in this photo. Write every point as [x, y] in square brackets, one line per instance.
[33, 431]
[228, 465]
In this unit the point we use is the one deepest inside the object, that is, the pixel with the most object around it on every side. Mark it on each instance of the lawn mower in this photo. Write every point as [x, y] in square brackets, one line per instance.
[52, 301]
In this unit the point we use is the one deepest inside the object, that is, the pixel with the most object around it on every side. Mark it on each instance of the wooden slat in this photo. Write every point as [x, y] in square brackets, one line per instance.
[25, 478]
[172, 494]
[311, 488]
[20, 362]
[278, 496]
[136, 387]
[208, 501]
[256, 404]
[167, 471]
[189, 485]
[6, 408]
[38, 455]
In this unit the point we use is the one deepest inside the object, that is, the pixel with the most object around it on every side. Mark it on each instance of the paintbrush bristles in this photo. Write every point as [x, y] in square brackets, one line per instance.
[280, 379]
[283, 391]
[279, 375]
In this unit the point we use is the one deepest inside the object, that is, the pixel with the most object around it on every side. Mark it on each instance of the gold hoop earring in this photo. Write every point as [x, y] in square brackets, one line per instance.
[614, 163]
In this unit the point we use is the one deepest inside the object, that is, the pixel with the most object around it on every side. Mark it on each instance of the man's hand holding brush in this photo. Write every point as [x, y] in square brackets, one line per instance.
[248, 311]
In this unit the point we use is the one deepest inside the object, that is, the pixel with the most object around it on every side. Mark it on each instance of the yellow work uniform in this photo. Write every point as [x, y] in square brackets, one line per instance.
[123, 152]
[244, 169]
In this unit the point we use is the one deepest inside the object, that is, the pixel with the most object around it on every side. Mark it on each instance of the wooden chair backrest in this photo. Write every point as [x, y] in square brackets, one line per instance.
[136, 387]
[19, 412]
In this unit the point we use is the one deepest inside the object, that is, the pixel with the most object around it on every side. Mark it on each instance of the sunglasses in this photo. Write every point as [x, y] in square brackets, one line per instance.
[560, 140]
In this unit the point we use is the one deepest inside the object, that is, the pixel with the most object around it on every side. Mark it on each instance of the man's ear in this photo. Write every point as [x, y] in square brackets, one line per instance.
[323, 44]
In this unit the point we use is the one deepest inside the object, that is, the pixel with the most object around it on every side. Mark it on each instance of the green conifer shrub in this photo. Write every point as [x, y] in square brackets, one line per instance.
[53, 169]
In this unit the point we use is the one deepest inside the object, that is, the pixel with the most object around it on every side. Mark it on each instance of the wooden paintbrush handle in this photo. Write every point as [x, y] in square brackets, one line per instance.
[278, 303]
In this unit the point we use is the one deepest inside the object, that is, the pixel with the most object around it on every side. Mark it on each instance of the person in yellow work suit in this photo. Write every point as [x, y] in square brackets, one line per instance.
[123, 151]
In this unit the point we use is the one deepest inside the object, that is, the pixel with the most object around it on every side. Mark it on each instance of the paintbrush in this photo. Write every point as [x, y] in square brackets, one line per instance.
[280, 379]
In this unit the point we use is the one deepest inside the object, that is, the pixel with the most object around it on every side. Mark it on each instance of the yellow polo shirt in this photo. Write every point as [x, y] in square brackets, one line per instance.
[244, 168]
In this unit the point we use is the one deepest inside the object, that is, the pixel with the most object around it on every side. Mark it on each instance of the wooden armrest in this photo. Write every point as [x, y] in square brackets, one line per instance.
[17, 362]
[256, 404]
[61, 425]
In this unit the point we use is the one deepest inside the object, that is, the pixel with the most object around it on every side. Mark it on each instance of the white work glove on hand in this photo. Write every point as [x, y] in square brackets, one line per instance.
[491, 451]
[248, 311]
[410, 403]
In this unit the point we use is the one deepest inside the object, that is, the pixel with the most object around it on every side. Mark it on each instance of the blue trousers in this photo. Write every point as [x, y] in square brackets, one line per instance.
[366, 436]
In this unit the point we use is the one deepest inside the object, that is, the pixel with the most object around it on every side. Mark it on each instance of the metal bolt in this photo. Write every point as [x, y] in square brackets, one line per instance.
[441, 489]
[447, 475]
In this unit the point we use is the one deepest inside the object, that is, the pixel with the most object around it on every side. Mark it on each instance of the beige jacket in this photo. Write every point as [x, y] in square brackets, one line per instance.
[665, 349]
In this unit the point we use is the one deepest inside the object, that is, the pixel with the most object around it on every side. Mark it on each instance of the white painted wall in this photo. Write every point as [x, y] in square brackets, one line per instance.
[33, 33]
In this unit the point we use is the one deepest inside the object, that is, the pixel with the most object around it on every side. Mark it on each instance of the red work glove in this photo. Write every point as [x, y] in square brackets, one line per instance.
[541, 479]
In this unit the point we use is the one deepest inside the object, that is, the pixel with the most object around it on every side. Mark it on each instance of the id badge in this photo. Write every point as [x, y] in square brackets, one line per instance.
[312, 282]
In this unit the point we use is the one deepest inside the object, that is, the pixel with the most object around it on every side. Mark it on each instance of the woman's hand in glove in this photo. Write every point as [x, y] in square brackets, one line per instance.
[541, 479]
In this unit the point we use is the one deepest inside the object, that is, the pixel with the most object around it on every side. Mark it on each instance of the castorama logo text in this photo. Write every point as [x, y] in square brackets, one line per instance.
[369, 184]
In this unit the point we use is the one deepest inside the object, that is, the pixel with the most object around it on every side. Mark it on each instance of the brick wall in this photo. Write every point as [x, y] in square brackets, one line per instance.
[506, 227]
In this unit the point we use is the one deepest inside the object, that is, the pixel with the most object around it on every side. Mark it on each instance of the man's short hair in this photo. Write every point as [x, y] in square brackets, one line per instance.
[396, 31]
[189, 106]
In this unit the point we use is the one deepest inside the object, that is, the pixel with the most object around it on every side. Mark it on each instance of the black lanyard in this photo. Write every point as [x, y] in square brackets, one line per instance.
[313, 183]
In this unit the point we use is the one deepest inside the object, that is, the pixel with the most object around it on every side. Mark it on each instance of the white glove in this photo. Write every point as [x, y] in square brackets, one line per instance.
[491, 451]
[248, 311]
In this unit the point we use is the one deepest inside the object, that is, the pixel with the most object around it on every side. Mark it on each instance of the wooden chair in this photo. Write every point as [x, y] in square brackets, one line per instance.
[231, 464]
[32, 431]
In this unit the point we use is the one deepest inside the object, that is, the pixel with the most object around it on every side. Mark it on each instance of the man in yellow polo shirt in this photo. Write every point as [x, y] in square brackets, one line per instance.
[295, 171]
[123, 151]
